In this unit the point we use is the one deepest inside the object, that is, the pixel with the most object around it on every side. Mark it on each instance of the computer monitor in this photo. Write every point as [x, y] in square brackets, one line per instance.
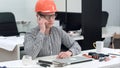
[61, 16]
[73, 21]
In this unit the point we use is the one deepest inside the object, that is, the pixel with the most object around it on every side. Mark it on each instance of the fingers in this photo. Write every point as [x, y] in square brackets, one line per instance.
[62, 55]
[38, 18]
[41, 22]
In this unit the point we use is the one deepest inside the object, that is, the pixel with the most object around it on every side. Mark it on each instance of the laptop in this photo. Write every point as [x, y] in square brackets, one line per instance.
[71, 60]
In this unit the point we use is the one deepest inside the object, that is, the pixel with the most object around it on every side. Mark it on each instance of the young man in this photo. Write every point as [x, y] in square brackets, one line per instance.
[45, 39]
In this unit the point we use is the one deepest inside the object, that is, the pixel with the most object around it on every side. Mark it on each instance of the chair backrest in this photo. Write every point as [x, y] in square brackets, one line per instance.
[8, 25]
[104, 20]
[105, 16]
[115, 43]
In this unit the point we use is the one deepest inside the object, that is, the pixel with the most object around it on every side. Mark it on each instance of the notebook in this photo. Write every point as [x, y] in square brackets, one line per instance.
[72, 60]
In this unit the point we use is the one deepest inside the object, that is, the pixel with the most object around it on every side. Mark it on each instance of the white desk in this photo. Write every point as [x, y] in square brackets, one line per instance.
[108, 31]
[93, 64]
[80, 37]
[9, 43]
[10, 47]
[17, 64]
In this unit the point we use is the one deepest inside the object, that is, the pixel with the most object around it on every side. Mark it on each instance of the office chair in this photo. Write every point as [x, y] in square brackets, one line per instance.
[8, 25]
[105, 16]
[104, 20]
[115, 41]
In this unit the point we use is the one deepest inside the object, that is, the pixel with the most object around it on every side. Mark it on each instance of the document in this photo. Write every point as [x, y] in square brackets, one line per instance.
[9, 43]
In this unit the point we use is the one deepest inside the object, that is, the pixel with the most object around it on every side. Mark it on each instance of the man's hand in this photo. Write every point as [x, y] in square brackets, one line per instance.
[41, 23]
[66, 54]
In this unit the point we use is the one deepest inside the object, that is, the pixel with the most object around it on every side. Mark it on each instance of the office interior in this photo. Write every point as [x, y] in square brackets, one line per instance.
[69, 17]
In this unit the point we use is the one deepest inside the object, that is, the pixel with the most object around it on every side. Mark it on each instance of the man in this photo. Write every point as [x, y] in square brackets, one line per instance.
[45, 39]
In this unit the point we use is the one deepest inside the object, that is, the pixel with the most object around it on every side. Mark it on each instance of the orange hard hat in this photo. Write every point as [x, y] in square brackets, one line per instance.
[45, 6]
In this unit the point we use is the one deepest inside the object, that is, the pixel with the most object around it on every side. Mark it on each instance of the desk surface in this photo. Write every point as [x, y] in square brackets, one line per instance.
[110, 30]
[9, 43]
[93, 64]
[107, 31]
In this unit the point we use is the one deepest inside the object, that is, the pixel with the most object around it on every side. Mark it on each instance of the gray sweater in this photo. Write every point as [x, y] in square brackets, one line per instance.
[37, 44]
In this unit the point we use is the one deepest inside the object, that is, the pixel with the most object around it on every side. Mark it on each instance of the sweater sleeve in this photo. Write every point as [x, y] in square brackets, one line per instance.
[33, 43]
[71, 44]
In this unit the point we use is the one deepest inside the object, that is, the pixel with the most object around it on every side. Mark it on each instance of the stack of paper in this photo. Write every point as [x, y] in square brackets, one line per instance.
[9, 43]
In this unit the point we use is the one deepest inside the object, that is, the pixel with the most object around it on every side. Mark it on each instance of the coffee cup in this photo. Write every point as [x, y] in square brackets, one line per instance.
[98, 45]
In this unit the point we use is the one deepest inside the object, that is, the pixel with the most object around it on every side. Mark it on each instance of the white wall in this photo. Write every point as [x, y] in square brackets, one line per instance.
[31, 15]
[15, 6]
[74, 6]
[113, 8]
[60, 4]
[24, 9]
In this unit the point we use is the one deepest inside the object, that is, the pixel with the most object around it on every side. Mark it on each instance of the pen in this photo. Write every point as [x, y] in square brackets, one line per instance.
[44, 65]
[47, 62]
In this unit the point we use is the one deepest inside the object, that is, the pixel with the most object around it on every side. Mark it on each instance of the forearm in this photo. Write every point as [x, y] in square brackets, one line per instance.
[75, 49]
[71, 44]
[33, 45]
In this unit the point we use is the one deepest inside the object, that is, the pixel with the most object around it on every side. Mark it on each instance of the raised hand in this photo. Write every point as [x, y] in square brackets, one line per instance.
[41, 22]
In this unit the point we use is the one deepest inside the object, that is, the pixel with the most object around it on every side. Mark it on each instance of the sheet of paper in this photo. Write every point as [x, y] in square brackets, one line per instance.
[9, 43]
